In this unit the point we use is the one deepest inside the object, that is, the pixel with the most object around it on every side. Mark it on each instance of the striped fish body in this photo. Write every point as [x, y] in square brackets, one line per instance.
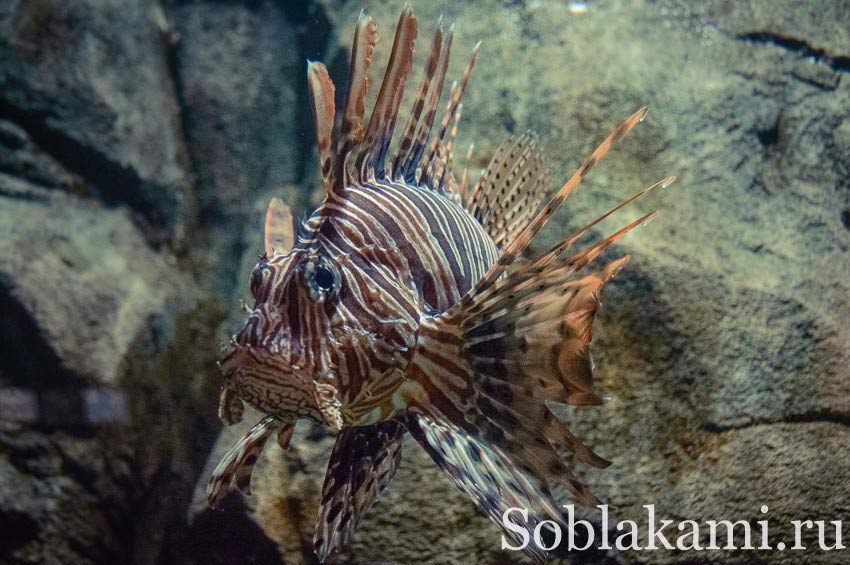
[404, 304]
[401, 251]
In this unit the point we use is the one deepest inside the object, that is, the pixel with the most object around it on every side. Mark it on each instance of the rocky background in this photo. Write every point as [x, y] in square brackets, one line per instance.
[140, 141]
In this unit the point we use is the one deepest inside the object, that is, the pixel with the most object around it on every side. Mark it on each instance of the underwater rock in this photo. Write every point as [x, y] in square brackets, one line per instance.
[237, 66]
[80, 290]
[62, 500]
[82, 272]
[91, 80]
[92, 184]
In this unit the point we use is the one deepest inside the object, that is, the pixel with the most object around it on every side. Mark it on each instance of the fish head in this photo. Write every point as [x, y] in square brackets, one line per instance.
[271, 363]
[321, 326]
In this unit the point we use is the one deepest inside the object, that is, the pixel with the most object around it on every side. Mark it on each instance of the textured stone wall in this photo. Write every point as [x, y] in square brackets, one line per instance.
[141, 140]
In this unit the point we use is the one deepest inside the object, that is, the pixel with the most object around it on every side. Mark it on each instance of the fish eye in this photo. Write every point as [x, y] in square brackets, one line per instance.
[324, 278]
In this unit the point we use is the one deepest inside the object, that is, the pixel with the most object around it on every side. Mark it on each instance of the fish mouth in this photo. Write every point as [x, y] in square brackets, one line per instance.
[232, 360]
[238, 359]
[266, 382]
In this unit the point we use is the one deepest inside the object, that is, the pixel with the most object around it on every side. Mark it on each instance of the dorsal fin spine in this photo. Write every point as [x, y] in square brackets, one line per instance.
[413, 121]
[513, 250]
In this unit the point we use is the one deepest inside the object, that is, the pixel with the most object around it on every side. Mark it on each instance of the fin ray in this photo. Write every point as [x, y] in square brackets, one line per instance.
[521, 241]
[363, 462]
[435, 165]
[365, 39]
[511, 190]
[379, 131]
[279, 230]
[485, 474]
[238, 463]
[413, 155]
[322, 101]
[413, 122]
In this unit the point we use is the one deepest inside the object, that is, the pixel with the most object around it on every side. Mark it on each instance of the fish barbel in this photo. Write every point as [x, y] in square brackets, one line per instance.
[404, 304]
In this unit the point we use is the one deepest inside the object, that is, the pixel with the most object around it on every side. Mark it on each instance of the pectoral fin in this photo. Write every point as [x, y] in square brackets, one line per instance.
[238, 463]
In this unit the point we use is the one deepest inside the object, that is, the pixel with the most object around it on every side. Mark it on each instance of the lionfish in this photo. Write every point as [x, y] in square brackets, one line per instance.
[404, 304]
